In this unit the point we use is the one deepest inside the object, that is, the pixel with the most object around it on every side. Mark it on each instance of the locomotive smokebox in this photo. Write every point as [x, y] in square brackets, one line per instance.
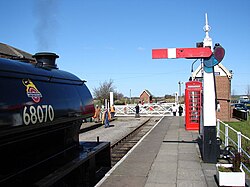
[47, 59]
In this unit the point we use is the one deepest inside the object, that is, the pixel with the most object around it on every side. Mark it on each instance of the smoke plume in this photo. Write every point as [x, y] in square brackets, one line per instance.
[45, 12]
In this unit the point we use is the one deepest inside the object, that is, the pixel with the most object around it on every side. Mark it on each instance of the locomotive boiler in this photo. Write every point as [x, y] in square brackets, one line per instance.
[41, 111]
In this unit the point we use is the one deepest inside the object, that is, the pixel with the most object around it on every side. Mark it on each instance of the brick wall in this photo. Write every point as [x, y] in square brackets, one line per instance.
[144, 97]
[223, 88]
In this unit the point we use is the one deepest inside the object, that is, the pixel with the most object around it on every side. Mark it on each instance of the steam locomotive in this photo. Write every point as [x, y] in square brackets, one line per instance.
[41, 111]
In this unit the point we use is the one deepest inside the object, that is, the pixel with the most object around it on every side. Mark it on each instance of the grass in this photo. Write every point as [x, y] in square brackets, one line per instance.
[224, 169]
[242, 126]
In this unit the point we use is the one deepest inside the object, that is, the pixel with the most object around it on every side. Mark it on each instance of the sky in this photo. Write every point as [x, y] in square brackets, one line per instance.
[102, 40]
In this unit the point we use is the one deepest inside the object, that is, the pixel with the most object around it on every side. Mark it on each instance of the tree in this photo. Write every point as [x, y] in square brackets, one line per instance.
[104, 89]
[118, 96]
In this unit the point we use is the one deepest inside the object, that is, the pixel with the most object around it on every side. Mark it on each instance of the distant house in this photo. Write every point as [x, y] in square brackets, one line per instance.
[223, 79]
[146, 96]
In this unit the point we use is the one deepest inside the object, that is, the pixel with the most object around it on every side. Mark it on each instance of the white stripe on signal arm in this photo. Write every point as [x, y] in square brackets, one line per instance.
[171, 52]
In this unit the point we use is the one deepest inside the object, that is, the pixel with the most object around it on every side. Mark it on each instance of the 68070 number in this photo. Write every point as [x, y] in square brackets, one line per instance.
[38, 114]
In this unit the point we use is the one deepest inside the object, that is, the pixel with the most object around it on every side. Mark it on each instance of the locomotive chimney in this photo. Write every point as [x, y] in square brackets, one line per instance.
[47, 59]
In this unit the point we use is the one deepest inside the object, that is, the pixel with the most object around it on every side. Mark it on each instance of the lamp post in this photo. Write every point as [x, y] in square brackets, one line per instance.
[130, 95]
[180, 90]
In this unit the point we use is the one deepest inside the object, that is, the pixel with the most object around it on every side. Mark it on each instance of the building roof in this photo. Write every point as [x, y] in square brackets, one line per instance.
[219, 69]
[14, 53]
[147, 92]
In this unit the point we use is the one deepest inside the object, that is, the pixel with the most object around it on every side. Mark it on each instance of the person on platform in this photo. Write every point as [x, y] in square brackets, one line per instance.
[97, 114]
[105, 118]
[112, 111]
[174, 109]
[180, 110]
[137, 110]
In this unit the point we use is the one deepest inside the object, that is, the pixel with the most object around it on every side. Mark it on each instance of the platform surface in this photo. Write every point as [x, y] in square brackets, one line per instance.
[118, 129]
[165, 157]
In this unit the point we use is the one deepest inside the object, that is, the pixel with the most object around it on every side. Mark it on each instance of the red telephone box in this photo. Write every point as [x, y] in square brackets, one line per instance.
[193, 104]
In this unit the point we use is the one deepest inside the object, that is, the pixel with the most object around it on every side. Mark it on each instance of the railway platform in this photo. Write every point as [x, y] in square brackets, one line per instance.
[167, 156]
[118, 128]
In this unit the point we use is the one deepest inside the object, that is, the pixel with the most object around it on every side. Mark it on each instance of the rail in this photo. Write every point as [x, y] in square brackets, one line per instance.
[122, 146]
[234, 138]
[150, 109]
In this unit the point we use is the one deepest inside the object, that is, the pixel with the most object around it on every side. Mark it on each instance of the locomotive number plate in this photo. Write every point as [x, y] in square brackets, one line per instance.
[38, 114]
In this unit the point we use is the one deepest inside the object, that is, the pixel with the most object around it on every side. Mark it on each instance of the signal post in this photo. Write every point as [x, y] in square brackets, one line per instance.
[209, 57]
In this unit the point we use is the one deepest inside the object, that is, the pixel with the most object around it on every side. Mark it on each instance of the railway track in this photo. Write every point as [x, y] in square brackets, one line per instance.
[121, 147]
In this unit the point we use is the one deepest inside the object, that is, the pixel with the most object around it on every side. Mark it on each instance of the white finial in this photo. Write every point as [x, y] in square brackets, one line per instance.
[206, 28]
[207, 40]
[206, 19]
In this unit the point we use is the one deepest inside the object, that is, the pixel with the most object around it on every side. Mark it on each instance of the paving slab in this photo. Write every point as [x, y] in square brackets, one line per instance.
[124, 181]
[188, 183]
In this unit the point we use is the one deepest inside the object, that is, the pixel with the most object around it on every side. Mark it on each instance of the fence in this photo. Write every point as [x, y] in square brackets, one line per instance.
[150, 109]
[234, 138]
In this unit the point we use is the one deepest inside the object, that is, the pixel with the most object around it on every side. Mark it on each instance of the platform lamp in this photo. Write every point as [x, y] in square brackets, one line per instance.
[180, 83]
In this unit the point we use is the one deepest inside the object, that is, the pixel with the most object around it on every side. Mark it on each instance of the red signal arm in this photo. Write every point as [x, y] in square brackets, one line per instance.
[181, 53]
